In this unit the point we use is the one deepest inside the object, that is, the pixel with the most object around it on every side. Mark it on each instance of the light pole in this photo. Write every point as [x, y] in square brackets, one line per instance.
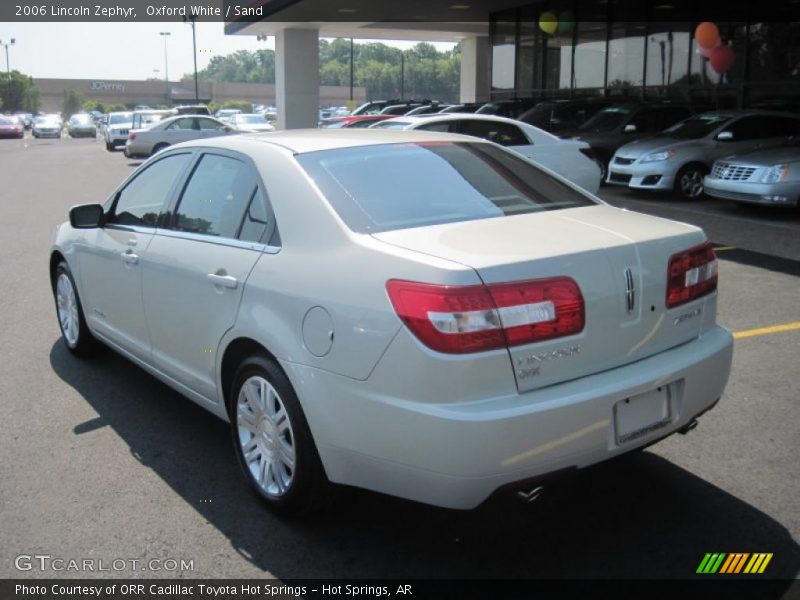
[8, 66]
[191, 19]
[165, 34]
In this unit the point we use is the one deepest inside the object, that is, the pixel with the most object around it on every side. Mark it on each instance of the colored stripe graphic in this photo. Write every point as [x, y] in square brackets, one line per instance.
[733, 563]
[711, 562]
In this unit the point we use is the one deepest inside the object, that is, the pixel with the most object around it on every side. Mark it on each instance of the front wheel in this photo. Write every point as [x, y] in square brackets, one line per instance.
[74, 331]
[272, 439]
[689, 181]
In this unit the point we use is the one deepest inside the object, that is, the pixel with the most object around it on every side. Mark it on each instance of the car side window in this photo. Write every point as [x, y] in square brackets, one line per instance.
[780, 127]
[143, 199]
[504, 134]
[748, 128]
[184, 123]
[256, 219]
[210, 124]
[214, 200]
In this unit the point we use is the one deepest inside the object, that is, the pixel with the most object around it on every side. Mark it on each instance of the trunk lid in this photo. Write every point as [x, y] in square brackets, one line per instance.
[606, 251]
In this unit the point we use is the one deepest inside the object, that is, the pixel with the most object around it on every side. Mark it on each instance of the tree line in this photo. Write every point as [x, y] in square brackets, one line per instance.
[386, 72]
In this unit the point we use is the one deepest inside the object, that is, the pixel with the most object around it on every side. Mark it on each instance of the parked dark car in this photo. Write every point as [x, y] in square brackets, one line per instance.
[397, 110]
[622, 123]
[466, 107]
[359, 121]
[508, 108]
[556, 116]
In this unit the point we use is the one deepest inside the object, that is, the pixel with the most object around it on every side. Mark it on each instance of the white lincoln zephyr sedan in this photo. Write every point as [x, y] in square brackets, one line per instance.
[426, 315]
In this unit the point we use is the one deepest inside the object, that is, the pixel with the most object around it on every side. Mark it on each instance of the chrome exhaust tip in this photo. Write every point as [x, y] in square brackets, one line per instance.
[529, 496]
[688, 427]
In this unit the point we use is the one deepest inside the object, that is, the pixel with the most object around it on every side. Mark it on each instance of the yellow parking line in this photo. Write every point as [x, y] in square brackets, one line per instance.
[766, 330]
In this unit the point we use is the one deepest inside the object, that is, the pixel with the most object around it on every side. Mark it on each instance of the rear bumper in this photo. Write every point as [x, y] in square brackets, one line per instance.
[777, 194]
[456, 454]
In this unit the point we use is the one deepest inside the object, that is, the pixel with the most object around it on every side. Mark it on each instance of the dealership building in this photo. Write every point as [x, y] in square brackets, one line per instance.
[154, 93]
[555, 48]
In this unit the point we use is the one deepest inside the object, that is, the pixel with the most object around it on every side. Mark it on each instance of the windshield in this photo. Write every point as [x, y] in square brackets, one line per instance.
[81, 119]
[6, 121]
[120, 118]
[253, 119]
[696, 127]
[370, 189]
[607, 119]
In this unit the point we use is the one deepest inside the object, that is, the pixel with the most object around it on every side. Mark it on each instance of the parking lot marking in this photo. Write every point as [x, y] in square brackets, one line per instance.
[766, 330]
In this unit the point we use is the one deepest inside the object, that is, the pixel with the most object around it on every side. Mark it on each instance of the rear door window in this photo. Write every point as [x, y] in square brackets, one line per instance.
[215, 198]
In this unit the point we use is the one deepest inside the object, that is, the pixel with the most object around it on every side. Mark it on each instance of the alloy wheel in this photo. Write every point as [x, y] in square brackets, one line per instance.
[265, 436]
[692, 184]
[67, 304]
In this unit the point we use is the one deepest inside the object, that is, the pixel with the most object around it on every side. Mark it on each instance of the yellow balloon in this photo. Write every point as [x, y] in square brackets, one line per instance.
[548, 22]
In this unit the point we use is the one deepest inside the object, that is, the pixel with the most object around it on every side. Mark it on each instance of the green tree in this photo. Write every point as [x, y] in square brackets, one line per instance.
[14, 89]
[32, 99]
[241, 105]
[71, 103]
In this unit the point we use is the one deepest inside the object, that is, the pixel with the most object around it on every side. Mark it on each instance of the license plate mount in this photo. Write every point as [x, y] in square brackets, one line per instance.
[639, 415]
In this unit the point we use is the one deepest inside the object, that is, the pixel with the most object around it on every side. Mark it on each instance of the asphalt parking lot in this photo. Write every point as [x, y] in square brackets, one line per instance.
[100, 460]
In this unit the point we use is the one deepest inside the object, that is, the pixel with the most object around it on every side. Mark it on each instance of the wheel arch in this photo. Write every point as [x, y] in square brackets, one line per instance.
[55, 258]
[235, 352]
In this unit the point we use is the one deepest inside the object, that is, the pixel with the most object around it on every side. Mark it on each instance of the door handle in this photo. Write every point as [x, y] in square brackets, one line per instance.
[223, 280]
[130, 258]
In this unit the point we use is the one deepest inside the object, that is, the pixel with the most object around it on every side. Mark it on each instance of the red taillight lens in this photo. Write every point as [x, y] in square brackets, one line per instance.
[131, 136]
[462, 319]
[691, 274]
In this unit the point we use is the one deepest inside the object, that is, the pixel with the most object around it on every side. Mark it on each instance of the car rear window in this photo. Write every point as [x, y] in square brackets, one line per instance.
[398, 186]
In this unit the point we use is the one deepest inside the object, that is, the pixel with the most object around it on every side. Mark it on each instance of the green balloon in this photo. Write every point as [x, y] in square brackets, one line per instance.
[566, 22]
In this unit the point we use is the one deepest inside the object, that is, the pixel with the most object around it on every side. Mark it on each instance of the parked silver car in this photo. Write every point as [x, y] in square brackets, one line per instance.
[250, 122]
[81, 125]
[572, 159]
[678, 158]
[47, 126]
[144, 142]
[422, 314]
[770, 176]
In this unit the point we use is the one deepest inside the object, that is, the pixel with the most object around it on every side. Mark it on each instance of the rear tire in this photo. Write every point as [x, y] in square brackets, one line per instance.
[272, 440]
[109, 146]
[159, 147]
[689, 181]
[74, 331]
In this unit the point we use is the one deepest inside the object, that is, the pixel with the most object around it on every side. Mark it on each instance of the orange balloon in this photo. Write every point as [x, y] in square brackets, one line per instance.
[707, 35]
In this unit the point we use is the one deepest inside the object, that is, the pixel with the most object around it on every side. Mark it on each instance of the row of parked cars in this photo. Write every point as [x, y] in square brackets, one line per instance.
[741, 155]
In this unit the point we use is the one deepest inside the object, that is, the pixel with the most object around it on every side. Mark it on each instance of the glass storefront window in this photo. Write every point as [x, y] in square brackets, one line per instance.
[504, 41]
[668, 54]
[590, 55]
[530, 53]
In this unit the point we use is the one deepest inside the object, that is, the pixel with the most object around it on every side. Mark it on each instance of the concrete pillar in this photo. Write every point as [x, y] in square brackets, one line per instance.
[475, 69]
[297, 78]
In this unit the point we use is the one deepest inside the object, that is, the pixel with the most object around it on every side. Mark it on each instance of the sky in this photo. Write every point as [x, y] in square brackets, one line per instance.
[122, 50]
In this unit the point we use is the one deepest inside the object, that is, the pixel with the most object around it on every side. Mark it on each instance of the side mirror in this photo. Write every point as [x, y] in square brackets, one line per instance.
[86, 216]
[630, 128]
[725, 136]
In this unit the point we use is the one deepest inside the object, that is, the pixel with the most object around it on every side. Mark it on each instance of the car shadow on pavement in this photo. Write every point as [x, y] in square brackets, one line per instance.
[637, 517]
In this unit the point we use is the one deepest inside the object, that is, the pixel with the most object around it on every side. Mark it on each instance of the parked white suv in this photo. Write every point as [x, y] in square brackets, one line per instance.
[116, 129]
[426, 315]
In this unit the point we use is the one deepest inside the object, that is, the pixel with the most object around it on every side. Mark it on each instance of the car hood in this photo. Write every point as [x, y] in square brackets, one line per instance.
[766, 157]
[644, 146]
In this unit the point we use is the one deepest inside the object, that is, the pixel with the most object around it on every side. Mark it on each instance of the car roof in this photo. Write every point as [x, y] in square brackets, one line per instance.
[455, 117]
[300, 141]
[741, 112]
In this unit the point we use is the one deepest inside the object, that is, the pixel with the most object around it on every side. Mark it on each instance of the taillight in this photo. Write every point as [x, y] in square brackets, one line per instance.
[131, 136]
[691, 274]
[475, 318]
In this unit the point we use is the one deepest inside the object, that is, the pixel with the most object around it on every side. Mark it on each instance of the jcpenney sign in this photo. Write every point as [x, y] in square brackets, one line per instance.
[105, 86]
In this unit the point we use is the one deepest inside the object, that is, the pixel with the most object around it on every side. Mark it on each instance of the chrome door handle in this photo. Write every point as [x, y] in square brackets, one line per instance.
[223, 280]
[130, 258]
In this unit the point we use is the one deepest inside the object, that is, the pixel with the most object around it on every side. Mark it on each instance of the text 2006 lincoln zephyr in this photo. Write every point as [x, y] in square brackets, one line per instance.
[426, 315]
